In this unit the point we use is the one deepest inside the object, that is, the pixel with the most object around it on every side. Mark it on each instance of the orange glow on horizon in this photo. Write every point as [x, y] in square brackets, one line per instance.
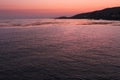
[67, 7]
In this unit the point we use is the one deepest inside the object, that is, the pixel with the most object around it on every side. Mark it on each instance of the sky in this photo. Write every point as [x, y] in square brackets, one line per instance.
[51, 8]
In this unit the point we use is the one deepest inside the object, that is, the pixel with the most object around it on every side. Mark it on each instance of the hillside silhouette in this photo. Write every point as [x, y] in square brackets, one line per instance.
[106, 14]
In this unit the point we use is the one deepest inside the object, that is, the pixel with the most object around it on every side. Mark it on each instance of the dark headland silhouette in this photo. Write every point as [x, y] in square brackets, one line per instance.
[105, 14]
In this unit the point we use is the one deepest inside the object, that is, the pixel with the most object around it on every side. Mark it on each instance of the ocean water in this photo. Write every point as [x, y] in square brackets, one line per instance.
[58, 49]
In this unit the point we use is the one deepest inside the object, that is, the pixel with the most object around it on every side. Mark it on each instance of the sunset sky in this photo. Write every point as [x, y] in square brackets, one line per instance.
[51, 8]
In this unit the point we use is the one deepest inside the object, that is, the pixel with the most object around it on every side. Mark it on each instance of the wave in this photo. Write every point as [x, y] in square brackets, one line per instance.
[39, 22]
[26, 25]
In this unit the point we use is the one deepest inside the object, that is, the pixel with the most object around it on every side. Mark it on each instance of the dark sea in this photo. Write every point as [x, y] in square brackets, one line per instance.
[58, 49]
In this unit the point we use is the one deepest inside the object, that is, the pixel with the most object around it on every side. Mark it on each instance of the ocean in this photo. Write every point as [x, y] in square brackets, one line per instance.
[59, 49]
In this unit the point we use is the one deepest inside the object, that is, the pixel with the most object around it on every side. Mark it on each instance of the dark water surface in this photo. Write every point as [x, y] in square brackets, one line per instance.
[59, 50]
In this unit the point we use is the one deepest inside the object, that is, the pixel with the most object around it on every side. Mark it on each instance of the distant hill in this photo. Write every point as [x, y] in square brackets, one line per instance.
[106, 14]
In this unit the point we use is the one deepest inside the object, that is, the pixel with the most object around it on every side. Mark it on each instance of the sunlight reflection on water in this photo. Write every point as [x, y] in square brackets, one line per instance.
[60, 49]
